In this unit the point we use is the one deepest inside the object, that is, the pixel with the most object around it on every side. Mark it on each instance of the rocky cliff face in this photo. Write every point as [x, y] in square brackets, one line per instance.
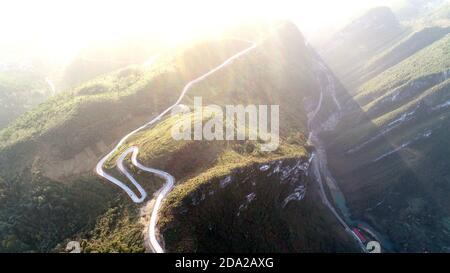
[270, 207]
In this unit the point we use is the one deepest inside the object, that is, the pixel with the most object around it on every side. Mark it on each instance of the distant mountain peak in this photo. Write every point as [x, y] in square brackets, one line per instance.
[376, 18]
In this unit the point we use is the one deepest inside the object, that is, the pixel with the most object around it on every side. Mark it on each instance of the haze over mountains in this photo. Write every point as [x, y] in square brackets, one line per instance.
[388, 152]
[364, 142]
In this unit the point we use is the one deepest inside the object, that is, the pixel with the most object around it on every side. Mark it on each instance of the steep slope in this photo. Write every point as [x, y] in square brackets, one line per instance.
[348, 50]
[377, 41]
[402, 50]
[411, 10]
[21, 90]
[78, 125]
[257, 208]
[425, 69]
[104, 57]
[50, 194]
[388, 151]
[285, 79]
[47, 155]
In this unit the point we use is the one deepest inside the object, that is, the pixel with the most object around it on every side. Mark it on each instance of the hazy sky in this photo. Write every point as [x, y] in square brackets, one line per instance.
[62, 27]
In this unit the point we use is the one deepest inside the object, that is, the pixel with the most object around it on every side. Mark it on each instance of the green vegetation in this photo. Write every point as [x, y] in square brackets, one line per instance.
[102, 58]
[117, 230]
[42, 148]
[36, 213]
[402, 50]
[348, 51]
[390, 149]
[279, 82]
[68, 106]
[20, 91]
[229, 160]
[62, 139]
[206, 215]
[431, 60]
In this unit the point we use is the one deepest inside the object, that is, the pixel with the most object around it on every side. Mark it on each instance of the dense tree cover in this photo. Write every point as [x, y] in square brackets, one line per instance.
[37, 213]
[117, 230]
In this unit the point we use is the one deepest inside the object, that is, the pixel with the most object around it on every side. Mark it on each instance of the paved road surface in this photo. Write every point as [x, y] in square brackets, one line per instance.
[170, 180]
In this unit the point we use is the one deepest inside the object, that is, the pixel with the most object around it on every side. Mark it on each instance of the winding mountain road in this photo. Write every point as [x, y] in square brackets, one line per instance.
[319, 157]
[170, 180]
